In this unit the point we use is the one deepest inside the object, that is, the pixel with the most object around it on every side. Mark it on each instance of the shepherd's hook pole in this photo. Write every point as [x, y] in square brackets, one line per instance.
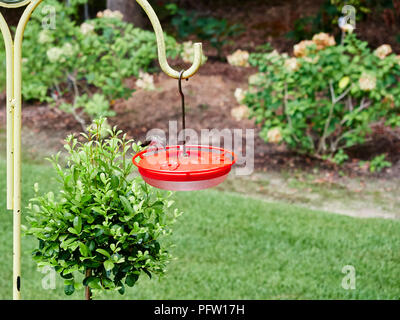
[13, 49]
[13, 108]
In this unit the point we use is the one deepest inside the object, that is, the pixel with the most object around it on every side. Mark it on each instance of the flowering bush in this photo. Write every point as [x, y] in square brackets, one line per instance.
[145, 81]
[97, 55]
[239, 58]
[103, 223]
[324, 99]
[187, 53]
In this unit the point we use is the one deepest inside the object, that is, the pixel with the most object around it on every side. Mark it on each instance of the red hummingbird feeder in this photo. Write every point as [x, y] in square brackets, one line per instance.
[184, 167]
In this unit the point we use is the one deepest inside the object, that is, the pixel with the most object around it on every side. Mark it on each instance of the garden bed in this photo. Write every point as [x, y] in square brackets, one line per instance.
[210, 98]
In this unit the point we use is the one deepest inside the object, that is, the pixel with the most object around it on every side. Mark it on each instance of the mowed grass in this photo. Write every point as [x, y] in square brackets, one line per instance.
[228, 246]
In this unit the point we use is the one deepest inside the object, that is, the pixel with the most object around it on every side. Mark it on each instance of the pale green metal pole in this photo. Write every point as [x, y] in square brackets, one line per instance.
[14, 103]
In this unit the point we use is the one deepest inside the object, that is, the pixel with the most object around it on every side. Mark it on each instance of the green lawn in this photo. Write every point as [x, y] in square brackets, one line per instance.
[232, 247]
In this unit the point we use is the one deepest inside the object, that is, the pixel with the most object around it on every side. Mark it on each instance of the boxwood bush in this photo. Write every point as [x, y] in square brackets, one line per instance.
[103, 223]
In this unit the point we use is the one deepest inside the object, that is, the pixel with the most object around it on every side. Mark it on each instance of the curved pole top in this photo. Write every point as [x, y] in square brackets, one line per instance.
[162, 56]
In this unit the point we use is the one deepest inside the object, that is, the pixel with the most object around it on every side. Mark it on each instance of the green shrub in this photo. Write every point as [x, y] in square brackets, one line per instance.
[326, 99]
[61, 65]
[103, 223]
[217, 31]
[377, 164]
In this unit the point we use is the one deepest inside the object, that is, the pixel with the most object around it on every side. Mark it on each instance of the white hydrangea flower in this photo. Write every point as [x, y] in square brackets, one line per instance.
[347, 28]
[274, 135]
[110, 14]
[86, 28]
[323, 40]
[145, 81]
[188, 53]
[274, 55]
[68, 49]
[367, 82]
[301, 49]
[240, 113]
[257, 79]
[383, 51]
[239, 58]
[240, 94]
[55, 54]
[45, 37]
[292, 64]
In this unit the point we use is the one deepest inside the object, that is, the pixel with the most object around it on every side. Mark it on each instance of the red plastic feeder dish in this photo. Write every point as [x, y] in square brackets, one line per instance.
[189, 168]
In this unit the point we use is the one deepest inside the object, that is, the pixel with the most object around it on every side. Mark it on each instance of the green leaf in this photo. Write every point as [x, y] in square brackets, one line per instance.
[104, 252]
[147, 272]
[131, 279]
[69, 289]
[83, 249]
[77, 224]
[122, 289]
[114, 182]
[127, 205]
[344, 82]
[103, 178]
[92, 282]
[72, 230]
[108, 265]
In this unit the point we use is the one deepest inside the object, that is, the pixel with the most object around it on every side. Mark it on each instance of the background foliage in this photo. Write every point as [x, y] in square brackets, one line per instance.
[73, 61]
[327, 98]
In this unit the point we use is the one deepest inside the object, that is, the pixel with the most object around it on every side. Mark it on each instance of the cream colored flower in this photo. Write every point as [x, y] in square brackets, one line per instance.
[188, 53]
[110, 14]
[240, 94]
[240, 113]
[274, 135]
[257, 79]
[301, 49]
[383, 51]
[55, 54]
[274, 56]
[86, 28]
[292, 64]
[367, 82]
[312, 60]
[347, 28]
[68, 49]
[239, 58]
[145, 81]
[323, 40]
[45, 37]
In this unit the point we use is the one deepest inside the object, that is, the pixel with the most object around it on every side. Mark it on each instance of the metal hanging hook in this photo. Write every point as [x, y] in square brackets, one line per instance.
[162, 57]
[183, 110]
